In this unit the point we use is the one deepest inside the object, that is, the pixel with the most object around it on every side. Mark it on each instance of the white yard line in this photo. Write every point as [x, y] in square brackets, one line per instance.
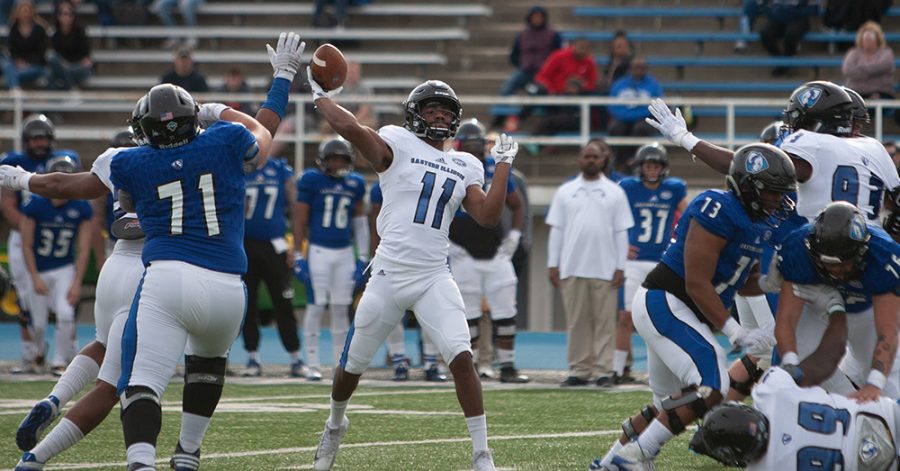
[310, 449]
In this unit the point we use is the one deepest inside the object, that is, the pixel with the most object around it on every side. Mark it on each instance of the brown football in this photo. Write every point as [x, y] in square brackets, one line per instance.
[329, 68]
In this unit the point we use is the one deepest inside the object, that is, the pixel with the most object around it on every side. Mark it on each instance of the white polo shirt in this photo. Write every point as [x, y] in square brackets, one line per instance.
[589, 213]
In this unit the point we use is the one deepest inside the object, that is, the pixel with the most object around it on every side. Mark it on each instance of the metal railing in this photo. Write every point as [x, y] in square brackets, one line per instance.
[23, 103]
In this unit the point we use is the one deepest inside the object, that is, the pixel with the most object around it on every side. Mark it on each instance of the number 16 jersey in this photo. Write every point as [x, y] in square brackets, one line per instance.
[422, 189]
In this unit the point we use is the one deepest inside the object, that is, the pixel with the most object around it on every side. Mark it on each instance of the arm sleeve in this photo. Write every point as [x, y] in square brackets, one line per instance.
[100, 168]
[800, 145]
[554, 247]
[624, 217]
[621, 249]
[361, 235]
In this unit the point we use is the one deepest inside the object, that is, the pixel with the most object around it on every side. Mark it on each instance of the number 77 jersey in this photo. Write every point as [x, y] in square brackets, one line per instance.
[422, 189]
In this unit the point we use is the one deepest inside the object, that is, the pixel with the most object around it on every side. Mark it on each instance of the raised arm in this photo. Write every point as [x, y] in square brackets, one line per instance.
[363, 138]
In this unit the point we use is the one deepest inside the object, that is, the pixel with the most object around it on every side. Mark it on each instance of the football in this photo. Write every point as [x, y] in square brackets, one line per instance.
[329, 68]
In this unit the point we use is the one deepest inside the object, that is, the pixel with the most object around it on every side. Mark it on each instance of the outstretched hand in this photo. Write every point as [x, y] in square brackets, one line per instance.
[285, 57]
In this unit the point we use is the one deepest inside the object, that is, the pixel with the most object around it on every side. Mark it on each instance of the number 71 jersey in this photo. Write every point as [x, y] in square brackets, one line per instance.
[331, 203]
[422, 189]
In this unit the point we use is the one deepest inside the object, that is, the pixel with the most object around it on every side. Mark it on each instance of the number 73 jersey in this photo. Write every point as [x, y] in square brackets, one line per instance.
[331, 203]
[810, 429]
[422, 189]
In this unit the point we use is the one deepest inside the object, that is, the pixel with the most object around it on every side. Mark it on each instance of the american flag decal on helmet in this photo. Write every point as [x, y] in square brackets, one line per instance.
[166, 116]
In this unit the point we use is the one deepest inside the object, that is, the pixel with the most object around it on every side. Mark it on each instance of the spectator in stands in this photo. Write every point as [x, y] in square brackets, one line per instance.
[568, 71]
[752, 9]
[891, 148]
[354, 85]
[589, 219]
[621, 52]
[628, 120]
[184, 73]
[559, 119]
[188, 8]
[869, 66]
[787, 21]
[322, 19]
[26, 47]
[70, 61]
[850, 15]
[532, 47]
[234, 82]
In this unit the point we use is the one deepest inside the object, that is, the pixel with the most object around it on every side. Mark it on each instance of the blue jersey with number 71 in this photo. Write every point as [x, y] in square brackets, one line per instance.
[720, 213]
[331, 203]
[190, 199]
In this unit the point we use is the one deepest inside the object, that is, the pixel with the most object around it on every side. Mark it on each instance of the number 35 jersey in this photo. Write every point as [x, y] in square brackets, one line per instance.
[810, 429]
[857, 170]
[422, 189]
[331, 203]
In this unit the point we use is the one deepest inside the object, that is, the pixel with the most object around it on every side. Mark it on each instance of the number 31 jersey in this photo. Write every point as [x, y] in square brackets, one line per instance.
[654, 213]
[422, 189]
[331, 203]
[857, 170]
[810, 429]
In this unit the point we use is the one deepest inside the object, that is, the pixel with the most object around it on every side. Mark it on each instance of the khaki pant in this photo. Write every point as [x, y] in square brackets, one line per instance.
[590, 305]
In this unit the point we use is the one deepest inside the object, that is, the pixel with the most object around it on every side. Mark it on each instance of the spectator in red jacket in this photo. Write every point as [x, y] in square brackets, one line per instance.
[564, 64]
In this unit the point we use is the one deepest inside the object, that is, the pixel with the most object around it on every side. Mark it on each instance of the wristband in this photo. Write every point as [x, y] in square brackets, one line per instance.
[876, 378]
[277, 98]
[731, 328]
[790, 358]
[25, 179]
[688, 141]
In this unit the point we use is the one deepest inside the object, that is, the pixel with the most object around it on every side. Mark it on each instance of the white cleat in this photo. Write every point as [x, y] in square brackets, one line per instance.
[327, 450]
[313, 374]
[483, 461]
[633, 457]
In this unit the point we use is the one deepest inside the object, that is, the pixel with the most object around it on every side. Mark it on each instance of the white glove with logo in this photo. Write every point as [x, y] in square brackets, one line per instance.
[772, 280]
[317, 90]
[285, 58]
[14, 178]
[210, 113]
[670, 125]
[829, 296]
[510, 243]
[505, 149]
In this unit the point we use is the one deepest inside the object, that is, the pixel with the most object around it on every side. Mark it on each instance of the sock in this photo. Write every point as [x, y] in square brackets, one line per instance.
[654, 437]
[141, 452]
[63, 436]
[340, 324]
[82, 371]
[398, 358]
[395, 341]
[619, 358]
[338, 409]
[607, 458]
[29, 351]
[295, 356]
[63, 340]
[475, 355]
[193, 429]
[312, 324]
[478, 430]
[429, 351]
[506, 357]
[254, 355]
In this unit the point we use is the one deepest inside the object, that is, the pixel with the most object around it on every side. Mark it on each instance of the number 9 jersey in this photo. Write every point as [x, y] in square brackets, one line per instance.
[423, 187]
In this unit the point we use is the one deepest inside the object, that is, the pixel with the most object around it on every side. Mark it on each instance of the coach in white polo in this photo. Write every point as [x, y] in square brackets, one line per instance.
[589, 219]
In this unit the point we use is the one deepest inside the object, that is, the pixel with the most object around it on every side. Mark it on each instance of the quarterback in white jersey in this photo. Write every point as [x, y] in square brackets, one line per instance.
[791, 428]
[422, 187]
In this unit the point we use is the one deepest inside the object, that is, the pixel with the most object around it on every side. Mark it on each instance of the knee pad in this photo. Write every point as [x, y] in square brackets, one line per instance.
[692, 396]
[505, 327]
[204, 379]
[648, 413]
[474, 331]
[200, 370]
[141, 415]
[753, 375]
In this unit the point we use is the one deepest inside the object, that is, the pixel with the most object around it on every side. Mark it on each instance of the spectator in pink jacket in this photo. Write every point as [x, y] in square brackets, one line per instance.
[869, 66]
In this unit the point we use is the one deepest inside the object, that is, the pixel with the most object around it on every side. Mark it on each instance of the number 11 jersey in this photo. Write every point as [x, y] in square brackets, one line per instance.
[422, 189]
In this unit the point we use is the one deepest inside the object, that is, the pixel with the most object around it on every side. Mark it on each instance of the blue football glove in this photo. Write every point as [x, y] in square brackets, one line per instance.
[301, 269]
[360, 274]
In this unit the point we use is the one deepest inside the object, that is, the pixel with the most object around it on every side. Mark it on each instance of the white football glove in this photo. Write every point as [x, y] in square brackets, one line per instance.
[285, 58]
[510, 243]
[772, 280]
[14, 178]
[759, 343]
[670, 125]
[317, 90]
[505, 149]
[210, 113]
[827, 295]
[736, 334]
